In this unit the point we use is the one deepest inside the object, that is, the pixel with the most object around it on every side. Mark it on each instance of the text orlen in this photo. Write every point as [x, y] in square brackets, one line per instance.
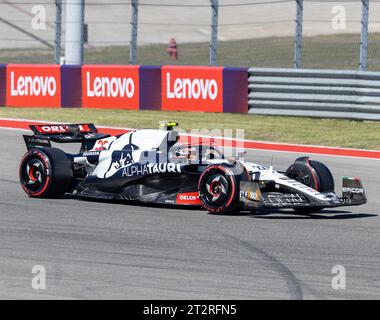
[186, 88]
[57, 128]
[33, 86]
[188, 197]
[110, 87]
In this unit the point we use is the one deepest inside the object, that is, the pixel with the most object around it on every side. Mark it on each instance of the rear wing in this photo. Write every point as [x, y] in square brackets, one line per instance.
[43, 135]
[66, 129]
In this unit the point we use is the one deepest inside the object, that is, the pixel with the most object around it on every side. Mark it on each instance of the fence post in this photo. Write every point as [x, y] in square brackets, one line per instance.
[297, 61]
[364, 36]
[134, 24]
[58, 31]
[214, 32]
[74, 32]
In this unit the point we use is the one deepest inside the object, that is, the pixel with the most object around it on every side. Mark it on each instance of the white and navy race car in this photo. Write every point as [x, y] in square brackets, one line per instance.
[153, 166]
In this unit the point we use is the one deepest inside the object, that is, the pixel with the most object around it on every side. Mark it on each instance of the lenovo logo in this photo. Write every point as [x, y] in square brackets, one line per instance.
[32, 86]
[110, 87]
[122, 87]
[186, 88]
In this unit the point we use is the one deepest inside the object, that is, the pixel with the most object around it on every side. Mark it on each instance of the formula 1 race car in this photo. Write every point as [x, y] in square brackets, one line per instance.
[154, 166]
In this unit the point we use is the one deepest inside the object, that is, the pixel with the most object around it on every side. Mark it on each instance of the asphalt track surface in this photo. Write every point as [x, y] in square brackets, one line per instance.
[94, 250]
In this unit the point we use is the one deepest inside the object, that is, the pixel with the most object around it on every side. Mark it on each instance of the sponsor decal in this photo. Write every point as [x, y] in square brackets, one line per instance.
[125, 160]
[150, 168]
[250, 194]
[101, 145]
[353, 190]
[37, 140]
[33, 85]
[110, 87]
[122, 158]
[32, 141]
[188, 198]
[122, 161]
[90, 153]
[192, 88]
[187, 88]
[57, 129]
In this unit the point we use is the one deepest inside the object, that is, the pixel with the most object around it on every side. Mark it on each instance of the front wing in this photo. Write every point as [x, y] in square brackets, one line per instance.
[252, 197]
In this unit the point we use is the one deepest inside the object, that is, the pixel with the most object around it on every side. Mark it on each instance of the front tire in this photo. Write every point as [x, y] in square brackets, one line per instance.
[45, 173]
[218, 189]
[315, 175]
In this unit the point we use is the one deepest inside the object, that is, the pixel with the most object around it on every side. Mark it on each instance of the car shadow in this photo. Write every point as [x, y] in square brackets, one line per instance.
[323, 215]
[132, 203]
[273, 214]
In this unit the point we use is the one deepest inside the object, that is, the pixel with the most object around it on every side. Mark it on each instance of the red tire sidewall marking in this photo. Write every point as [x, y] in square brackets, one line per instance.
[314, 175]
[46, 163]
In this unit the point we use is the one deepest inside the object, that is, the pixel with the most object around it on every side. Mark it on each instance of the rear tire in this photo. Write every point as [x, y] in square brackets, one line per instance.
[218, 189]
[45, 173]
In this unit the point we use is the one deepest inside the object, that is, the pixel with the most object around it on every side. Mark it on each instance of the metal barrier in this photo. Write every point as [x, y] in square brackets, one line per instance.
[314, 93]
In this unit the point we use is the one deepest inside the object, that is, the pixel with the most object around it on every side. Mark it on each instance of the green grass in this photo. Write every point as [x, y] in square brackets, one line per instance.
[326, 52]
[328, 132]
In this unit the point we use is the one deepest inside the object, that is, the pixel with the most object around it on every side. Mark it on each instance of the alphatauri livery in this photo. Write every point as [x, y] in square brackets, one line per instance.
[153, 166]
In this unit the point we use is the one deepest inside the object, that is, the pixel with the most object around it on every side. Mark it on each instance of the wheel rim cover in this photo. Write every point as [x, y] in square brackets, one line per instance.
[34, 174]
[216, 190]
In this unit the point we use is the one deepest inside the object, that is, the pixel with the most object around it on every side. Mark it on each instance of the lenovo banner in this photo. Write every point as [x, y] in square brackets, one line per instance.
[33, 85]
[207, 89]
[190, 88]
[110, 87]
[182, 88]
